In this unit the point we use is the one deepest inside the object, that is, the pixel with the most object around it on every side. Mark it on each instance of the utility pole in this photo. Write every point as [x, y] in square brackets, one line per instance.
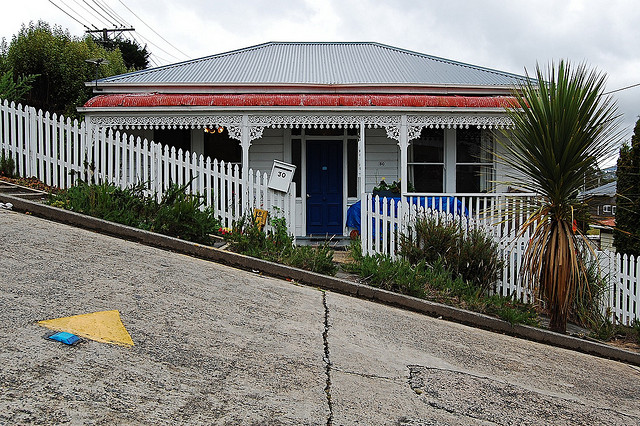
[105, 33]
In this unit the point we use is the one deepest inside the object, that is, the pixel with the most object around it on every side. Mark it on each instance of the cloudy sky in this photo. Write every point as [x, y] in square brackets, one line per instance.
[508, 35]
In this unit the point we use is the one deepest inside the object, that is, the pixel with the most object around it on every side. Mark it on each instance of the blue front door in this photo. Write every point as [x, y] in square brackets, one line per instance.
[324, 187]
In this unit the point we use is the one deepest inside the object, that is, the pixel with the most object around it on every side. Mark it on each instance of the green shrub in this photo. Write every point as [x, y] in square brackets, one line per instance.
[511, 310]
[450, 285]
[435, 281]
[477, 259]
[430, 240]
[126, 206]
[383, 272]
[610, 331]
[473, 255]
[179, 214]
[276, 245]
[247, 238]
[7, 166]
[182, 215]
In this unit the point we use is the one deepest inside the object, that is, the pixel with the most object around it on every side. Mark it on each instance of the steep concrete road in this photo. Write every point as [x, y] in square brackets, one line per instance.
[218, 345]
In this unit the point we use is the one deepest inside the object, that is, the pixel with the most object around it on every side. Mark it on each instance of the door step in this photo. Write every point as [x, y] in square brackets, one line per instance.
[334, 241]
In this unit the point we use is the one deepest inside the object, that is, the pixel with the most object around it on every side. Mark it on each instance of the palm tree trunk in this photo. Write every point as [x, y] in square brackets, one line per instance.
[558, 321]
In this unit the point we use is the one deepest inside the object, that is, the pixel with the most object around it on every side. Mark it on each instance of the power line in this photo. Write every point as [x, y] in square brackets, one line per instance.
[158, 47]
[154, 31]
[151, 55]
[106, 19]
[115, 19]
[101, 21]
[101, 18]
[86, 11]
[624, 88]
[120, 18]
[69, 15]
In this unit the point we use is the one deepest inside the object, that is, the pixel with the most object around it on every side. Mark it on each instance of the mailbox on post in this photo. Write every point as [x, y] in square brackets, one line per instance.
[281, 176]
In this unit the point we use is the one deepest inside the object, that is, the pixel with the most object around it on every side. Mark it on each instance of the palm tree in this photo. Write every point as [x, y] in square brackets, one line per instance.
[565, 127]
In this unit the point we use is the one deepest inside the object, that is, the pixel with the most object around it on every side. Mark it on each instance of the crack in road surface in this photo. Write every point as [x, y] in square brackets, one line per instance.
[487, 399]
[326, 359]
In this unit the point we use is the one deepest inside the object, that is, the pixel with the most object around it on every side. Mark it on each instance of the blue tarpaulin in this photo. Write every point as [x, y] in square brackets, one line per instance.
[446, 204]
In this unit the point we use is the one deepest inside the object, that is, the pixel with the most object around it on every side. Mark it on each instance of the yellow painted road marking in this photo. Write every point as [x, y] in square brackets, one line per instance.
[104, 326]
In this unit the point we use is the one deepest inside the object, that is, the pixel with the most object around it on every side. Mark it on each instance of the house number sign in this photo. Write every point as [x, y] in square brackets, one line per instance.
[281, 175]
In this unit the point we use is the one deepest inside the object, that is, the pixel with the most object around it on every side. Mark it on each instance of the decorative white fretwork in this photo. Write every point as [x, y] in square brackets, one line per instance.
[235, 132]
[257, 123]
[333, 121]
[415, 123]
[413, 132]
[181, 121]
[453, 121]
[393, 132]
[255, 132]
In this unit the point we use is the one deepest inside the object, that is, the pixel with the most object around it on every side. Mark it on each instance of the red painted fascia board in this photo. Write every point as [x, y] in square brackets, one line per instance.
[300, 100]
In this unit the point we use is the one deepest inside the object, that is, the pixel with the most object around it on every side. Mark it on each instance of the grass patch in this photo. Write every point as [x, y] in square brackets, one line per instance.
[607, 331]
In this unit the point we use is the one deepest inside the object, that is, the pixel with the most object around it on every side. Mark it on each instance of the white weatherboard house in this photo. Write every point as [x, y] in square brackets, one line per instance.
[345, 114]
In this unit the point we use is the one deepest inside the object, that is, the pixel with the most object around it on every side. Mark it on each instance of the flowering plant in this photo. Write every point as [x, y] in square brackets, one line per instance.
[384, 186]
[225, 231]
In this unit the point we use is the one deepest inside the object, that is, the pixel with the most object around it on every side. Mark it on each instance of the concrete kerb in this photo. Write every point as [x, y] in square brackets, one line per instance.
[322, 281]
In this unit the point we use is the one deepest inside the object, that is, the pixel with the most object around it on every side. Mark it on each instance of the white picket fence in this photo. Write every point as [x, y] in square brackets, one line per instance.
[59, 151]
[621, 272]
[384, 220]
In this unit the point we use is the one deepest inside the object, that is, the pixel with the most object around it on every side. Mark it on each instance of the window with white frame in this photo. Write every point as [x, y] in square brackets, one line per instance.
[606, 208]
[426, 161]
[474, 165]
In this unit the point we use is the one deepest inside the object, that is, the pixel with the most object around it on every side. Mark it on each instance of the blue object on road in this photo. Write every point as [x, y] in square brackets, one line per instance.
[64, 337]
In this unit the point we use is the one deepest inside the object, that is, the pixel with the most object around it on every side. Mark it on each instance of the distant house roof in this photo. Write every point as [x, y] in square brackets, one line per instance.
[610, 222]
[286, 63]
[606, 190]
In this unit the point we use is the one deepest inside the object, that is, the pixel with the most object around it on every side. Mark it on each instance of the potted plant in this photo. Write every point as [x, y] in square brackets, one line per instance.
[383, 189]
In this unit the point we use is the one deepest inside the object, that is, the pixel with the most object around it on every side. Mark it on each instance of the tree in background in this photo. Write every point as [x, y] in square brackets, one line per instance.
[135, 56]
[626, 234]
[15, 89]
[596, 177]
[59, 61]
[565, 126]
[12, 88]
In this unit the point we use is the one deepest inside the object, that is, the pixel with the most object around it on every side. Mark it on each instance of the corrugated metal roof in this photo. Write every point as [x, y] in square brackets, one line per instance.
[607, 190]
[322, 64]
